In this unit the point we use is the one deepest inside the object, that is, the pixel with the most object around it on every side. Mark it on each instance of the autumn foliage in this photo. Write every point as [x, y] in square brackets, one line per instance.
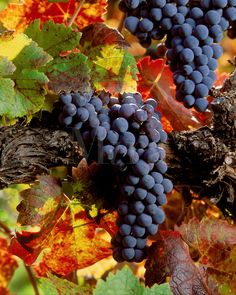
[63, 224]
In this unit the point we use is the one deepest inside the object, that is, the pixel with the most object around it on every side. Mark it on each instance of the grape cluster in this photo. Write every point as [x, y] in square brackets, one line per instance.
[192, 37]
[126, 132]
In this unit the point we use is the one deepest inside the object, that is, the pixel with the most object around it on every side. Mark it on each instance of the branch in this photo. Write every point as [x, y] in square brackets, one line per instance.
[6, 229]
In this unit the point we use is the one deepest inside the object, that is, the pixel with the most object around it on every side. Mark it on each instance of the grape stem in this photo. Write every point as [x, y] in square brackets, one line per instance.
[121, 24]
[74, 16]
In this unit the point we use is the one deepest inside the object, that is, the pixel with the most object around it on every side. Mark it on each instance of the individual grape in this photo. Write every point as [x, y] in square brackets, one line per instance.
[126, 110]
[161, 166]
[69, 109]
[141, 243]
[130, 219]
[167, 184]
[132, 179]
[66, 120]
[128, 253]
[127, 139]
[161, 199]
[141, 168]
[112, 137]
[142, 141]
[151, 209]
[120, 125]
[65, 98]
[151, 155]
[201, 90]
[129, 242]
[156, 14]
[140, 193]
[138, 231]
[97, 103]
[212, 17]
[150, 198]
[131, 23]
[152, 229]
[147, 182]
[196, 77]
[187, 55]
[144, 220]
[159, 217]
[99, 133]
[169, 10]
[188, 101]
[145, 25]
[79, 99]
[157, 177]
[201, 104]
[132, 155]
[201, 32]
[137, 207]
[120, 150]
[125, 229]
[93, 121]
[158, 189]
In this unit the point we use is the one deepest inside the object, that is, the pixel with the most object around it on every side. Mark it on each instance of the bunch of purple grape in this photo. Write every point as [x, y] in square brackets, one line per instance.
[192, 37]
[125, 132]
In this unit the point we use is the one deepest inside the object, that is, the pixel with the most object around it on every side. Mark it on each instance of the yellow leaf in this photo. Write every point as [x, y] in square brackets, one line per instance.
[11, 45]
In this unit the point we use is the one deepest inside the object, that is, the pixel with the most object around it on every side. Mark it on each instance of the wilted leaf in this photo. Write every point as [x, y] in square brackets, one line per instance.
[124, 282]
[49, 221]
[215, 240]
[54, 285]
[113, 68]
[18, 17]
[22, 91]
[170, 257]
[8, 265]
[155, 80]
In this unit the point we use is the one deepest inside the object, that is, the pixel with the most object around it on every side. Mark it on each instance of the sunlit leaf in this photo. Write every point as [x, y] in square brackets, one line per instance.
[49, 221]
[22, 91]
[113, 68]
[19, 16]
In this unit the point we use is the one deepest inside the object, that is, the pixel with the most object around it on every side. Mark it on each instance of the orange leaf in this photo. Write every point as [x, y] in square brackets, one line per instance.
[8, 265]
[18, 16]
[74, 243]
[50, 222]
[155, 80]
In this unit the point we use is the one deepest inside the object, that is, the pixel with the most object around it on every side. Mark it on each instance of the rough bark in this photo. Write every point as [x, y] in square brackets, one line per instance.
[202, 160]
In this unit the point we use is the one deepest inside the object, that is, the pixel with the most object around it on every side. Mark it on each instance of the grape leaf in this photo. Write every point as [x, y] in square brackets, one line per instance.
[113, 68]
[54, 285]
[215, 240]
[124, 282]
[170, 257]
[49, 220]
[18, 17]
[8, 265]
[155, 80]
[22, 91]
[55, 39]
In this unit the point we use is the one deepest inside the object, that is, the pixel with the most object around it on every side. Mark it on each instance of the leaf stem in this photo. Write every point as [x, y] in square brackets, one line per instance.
[32, 280]
[74, 16]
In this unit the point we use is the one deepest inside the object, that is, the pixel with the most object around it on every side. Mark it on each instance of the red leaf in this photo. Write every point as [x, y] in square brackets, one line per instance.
[155, 80]
[19, 16]
[170, 256]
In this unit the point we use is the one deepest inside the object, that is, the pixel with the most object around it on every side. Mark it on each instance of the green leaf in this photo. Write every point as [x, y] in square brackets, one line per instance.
[22, 90]
[57, 286]
[53, 38]
[124, 282]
